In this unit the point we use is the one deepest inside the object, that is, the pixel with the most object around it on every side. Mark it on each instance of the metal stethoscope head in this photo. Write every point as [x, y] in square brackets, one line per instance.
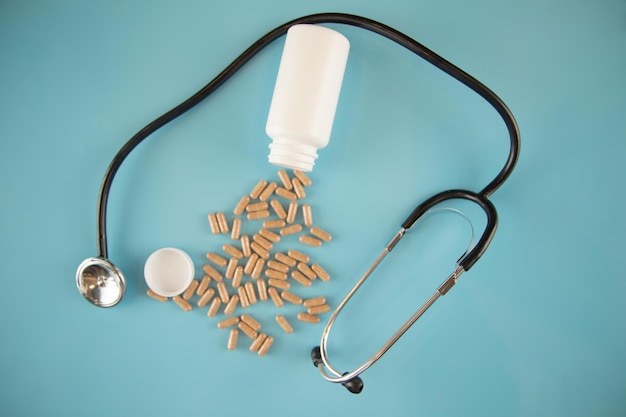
[100, 282]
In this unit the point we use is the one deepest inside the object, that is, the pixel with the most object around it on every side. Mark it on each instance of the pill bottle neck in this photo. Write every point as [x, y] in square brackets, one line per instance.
[293, 155]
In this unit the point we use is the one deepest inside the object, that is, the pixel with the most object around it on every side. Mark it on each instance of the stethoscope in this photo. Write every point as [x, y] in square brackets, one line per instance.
[103, 284]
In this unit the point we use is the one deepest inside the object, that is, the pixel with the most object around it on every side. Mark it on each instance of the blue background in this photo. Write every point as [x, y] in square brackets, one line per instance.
[536, 328]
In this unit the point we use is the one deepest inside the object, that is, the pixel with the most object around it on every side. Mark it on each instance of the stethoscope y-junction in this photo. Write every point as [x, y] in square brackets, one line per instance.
[103, 284]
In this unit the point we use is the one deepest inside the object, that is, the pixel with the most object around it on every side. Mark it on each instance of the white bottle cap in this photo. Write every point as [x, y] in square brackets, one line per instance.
[168, 271]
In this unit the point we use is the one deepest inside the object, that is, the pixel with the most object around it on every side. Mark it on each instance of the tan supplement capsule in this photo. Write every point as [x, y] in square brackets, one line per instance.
[241, 206]
[216, 259]
[300, 278]
[311, 241]
[290, 230]
[273, 224]
[324, 276]
[204, 284]
[256, 191]
[279, 266]
[181, 303]
[250, 292]
[283, 323]
[256, 344]
[243, 297]
[215, 306]
[245, 246]
[298, 256]
[287, 260]
[232, 304]
[272, 273]
[206, 297]
[321, 309]
[212, 272]
[297, 187]
[304, 179]
[156, 296]
[250, 264]
[250, 321]
[278, 283]
[191, 289]
[308, 318]
[265, 244]
[235, 234]
[215, 226]
[256, 215]
[312, 302]
[223, 223]
[284, 178]
[278, 302]
[317, 232]
[292, 298]
[248, 331]
[284, 193]
[232, 251]
[263, 205]
[268, 191]
[237, 277]
[292, 211]
[232, 339]
[271, 236]
[230, 269]
[231, 321]
[266, 345]
[223, 292]
[306, 270]
[259, 250]
[307, 214]
[258, 268]
[278, 209]
[261, 288]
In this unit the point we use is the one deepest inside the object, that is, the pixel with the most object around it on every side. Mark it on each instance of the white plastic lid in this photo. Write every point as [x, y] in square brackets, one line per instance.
[168, 271]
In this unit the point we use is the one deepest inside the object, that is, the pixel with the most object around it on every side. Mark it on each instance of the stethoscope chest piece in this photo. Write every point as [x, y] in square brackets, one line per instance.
[100, 282]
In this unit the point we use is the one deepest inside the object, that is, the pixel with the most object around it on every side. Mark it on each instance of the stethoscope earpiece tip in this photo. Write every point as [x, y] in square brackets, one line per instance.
[316, 356]
[354, 385]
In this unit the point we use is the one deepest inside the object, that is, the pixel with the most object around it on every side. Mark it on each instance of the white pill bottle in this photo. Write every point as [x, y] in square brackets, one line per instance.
[305, 96]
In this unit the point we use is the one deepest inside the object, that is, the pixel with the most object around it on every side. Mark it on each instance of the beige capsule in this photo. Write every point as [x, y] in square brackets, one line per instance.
[215, 226]
[222, 222]
[261, 251]
[261, 288]
[320, 272]
[290, 230]
[232, 339]
[265, 244]
[309, 240]
[292, 212]
[231, 321]
[312, 302]
[279, 266]
[256, 344]
[237, 277]
[250, 264]
[235, 233]
[258, 268]
[273, 293]
[298, 188]
[298, 256]
[308, 318]
[156, 296]
[212, 272]
[245, 245]
[243, 297]
[263, 205]
[250, 292]
[206, 297]
[241, 205]
[216, 259]
[268, 191]
[304, 179]
[231, 305]
[272, 273]
[283, 323]
[223, 292]
[250, 321]
[266, 345]
[190, 290]
[257, 215]
[215, 306]
[300, 278]
[278, 283]
[284, 193]
[286, 259]
[292, 298]
[230, 269]
[284, 178]
[258, 188]
[306, 270]
[182, 303]
[248, 331]
[273, 224]
[322, 234]
[232, 251]
[204, 284]
[278, 209]
[321, 309]
[271, 236]
[307, 214]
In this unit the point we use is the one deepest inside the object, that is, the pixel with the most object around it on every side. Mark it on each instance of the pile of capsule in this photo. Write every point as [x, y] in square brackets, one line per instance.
[248, 270]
